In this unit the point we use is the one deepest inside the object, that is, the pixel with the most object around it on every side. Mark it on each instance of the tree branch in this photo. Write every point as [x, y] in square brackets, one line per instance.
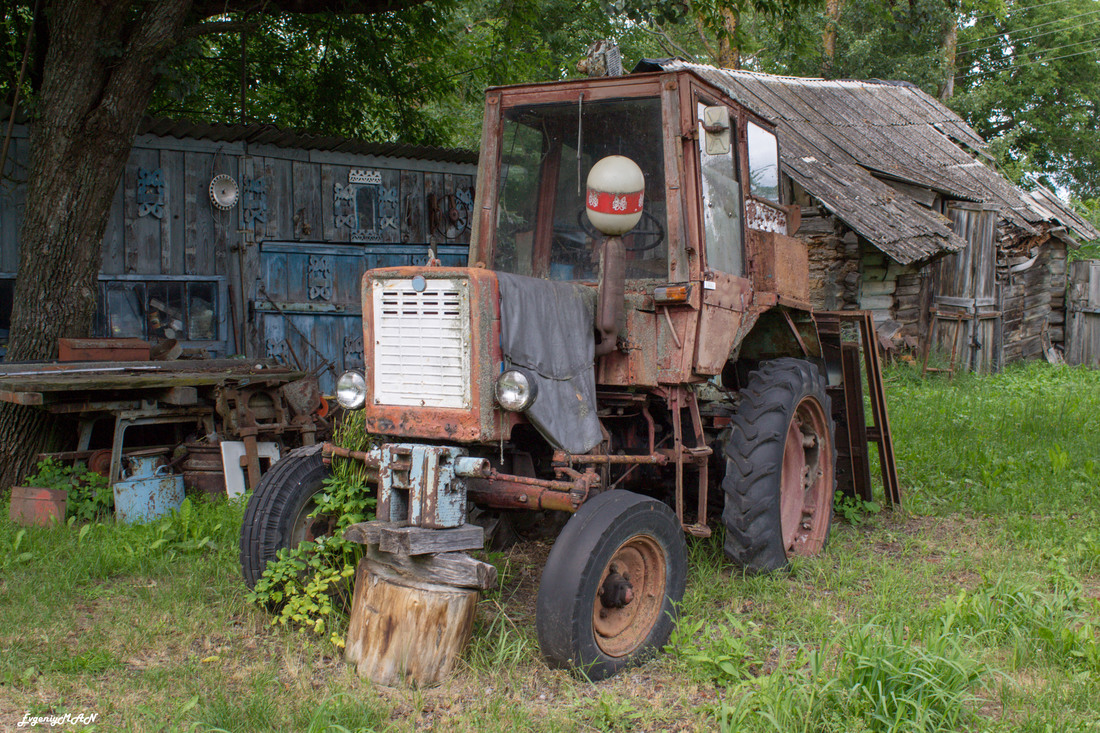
[666, 41]
[210, 8]
[219, 26]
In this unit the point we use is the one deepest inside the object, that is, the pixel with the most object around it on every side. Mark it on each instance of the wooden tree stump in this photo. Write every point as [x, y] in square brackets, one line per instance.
[411, 616]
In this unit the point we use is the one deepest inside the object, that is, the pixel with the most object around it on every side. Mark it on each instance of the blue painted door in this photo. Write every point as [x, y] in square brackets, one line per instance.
[307, 306]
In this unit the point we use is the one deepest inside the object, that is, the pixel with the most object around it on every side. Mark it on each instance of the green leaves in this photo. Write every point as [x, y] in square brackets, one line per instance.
[310, 586]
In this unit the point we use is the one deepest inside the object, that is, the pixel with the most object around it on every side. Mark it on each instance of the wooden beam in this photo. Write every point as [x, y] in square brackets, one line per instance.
[21, 398]
[449, 568]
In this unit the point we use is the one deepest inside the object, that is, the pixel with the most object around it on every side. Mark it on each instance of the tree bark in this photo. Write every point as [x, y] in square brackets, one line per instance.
[950, 50]
[100, 70]
[729, 53]
[833, 9]
[102, 61]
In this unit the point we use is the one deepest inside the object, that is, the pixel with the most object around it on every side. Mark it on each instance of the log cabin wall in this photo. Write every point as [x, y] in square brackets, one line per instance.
[1033, 299]
[834, 260]
[176, 266]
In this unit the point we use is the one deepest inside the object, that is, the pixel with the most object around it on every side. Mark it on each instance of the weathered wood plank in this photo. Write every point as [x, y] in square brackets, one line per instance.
[396, 537]
[195, 225]
[435, 208]
[389, 207]
[420, 541]
[306, 196]
[464, 193]
[225, 234]
[328, 222]
[448, 568]
[172, 225]
[144, 230]
[280, 207]
[412, 207]
[113, 260]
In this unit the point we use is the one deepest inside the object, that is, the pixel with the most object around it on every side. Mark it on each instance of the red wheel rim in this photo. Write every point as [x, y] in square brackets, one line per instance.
[619, 631]
[807, 480]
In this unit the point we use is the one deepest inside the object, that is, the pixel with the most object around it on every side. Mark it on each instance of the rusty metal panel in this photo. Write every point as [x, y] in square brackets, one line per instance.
[481, 422]
[779, 264]
[764, 217]
[677, 328]
[149, 491]
[717, 330]
[635, 364]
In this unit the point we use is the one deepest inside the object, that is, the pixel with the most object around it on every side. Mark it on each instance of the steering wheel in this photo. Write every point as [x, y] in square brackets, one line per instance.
[647, 226]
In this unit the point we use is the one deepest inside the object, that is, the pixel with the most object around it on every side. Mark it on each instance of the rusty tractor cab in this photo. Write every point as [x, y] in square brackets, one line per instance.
[649, 384]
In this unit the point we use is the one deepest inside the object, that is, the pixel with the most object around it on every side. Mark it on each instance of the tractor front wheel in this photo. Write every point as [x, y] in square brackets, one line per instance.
[609, 591]
[780, 467]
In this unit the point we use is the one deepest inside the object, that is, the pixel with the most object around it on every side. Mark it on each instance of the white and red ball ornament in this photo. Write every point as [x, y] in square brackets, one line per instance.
[616, 188]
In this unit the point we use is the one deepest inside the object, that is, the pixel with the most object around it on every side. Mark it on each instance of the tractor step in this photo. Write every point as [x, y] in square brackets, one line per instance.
[854, 435]
[697, 530]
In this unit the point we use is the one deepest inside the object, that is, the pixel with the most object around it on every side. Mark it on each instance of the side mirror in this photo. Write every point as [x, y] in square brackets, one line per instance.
[716, 127]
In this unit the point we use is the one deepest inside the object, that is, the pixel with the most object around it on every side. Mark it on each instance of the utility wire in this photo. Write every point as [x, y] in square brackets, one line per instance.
[1040, 25]
[1052, 49]
[1014, 41]
[1033, 50]
[1018, 8]
[1009, 67]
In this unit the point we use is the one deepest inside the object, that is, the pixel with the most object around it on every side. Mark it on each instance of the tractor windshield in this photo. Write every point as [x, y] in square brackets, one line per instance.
[546, 153]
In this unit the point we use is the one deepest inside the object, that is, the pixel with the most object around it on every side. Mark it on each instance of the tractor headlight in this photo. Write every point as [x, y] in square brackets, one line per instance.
[351, 390]
[516, 390]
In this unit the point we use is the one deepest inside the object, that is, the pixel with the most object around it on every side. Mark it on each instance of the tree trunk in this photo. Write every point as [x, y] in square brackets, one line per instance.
[729, 53]
[833, 9]
[100, 69]
[950, 49]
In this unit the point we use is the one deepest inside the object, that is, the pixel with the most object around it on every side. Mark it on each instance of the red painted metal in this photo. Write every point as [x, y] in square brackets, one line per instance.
[32, 505]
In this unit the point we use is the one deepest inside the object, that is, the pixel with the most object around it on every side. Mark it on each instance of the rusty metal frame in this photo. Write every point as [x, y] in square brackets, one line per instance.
[479, 423]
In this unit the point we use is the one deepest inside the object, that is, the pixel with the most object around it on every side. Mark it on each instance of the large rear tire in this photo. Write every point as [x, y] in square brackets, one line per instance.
[780, 467]
[610, 588]
[277, 514]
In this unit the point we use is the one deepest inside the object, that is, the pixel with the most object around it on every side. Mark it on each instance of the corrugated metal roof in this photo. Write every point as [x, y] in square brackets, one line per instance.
[266, 134]
[838, 138]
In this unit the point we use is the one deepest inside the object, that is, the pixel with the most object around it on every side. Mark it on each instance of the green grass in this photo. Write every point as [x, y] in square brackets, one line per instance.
[975, 608]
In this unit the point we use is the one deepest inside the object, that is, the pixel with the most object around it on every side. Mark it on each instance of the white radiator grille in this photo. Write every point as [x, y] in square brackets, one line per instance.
[422, 343]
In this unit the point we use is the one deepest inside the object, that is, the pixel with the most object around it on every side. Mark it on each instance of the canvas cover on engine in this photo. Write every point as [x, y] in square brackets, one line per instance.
[546, 328]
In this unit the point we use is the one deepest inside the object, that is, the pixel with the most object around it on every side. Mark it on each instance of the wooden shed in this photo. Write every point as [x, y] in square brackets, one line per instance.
[906, 216]
[248, 239]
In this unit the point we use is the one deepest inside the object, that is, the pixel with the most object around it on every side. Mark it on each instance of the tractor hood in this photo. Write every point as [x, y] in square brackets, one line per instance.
[546, 328]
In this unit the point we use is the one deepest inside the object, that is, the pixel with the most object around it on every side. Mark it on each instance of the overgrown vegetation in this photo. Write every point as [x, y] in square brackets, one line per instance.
[90, 495]
[310, 586]
[974, 609]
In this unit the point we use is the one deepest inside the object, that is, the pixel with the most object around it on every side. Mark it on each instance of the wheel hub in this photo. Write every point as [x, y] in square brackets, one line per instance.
[629, 596]
[616, 590]
[806, 480]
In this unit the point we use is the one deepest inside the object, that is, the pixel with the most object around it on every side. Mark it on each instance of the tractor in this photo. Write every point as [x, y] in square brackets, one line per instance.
[630, 352]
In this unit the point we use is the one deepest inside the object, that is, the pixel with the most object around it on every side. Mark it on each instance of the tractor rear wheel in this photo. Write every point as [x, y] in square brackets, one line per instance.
[278, 512]
[610, 587]
[780, 467]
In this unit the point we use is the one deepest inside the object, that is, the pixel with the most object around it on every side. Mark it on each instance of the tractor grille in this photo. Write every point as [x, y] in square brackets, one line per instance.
[422, 343]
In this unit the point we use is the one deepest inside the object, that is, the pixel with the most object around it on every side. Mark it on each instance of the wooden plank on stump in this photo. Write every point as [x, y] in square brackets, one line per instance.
[399, 538]
[406, 631]
[448, 568]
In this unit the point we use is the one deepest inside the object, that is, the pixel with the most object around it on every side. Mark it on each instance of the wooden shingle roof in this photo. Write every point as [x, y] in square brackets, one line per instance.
[840, 140]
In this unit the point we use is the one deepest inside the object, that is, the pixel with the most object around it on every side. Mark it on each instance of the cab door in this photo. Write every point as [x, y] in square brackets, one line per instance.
[720, 187]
